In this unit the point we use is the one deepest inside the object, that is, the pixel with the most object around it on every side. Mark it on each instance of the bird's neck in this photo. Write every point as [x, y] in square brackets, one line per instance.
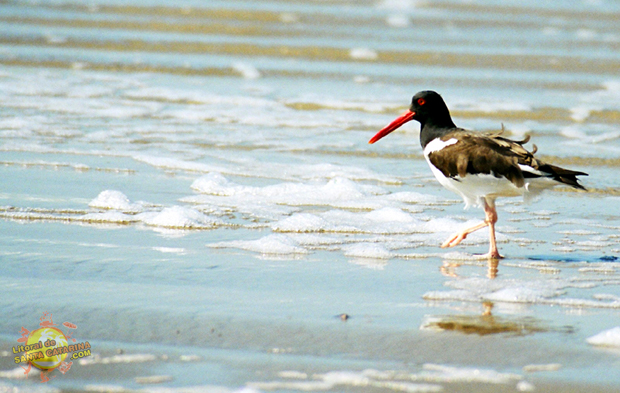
[432, 129]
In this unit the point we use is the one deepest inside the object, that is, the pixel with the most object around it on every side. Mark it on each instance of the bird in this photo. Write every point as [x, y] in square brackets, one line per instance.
[478, 166]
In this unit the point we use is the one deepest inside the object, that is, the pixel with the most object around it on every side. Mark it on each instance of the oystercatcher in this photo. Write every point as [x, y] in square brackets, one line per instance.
[478, 166]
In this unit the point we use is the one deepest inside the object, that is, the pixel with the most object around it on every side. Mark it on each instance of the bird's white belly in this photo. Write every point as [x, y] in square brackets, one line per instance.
[473, 188]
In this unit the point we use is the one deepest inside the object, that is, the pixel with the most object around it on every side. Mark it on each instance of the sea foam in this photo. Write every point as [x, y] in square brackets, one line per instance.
[114, 200]
[179, 217]
[607, 338]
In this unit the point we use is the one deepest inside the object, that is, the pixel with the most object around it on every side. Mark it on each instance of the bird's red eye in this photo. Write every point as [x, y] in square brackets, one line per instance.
[421, 101]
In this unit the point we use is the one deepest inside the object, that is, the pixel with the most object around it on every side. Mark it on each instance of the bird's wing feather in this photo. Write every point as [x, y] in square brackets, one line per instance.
[478, 153]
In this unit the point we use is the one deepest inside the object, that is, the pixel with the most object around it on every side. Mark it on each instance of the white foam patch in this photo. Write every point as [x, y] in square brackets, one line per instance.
[170, 250]
[246, 70]
[114, 200]
[289, 17]
[277, 244]
[586, 34]
[125, 358]
[381, 221]
[532, 291]
[607, 338]
[329, 207]
[179, 217]
[111, 217]
[69, 216]
[105, 388]
[173, 163]
[317, 241]
[417, 198]
[338, 192]
[428, 380]
[109, 388]
[581, 113]
[363, 54]
[400, 5]
[525, 386]
[334, 379]
[398, 20]
[580, 135]
[307, 222]
[216, 184]
[443, 373]
[607, 98]
[173, 217]
[271, 170]
[367, 250]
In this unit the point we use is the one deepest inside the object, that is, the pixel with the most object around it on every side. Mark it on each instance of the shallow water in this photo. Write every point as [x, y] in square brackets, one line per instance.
[192, 187]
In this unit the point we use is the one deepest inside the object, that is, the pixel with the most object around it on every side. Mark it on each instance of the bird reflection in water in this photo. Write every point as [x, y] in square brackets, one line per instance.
[449, 267]
[486, 323]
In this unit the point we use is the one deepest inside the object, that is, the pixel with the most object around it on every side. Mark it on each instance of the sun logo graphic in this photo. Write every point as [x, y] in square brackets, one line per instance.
[47, 348]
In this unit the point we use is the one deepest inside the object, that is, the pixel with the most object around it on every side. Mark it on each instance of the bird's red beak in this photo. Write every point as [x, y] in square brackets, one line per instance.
[399, 121]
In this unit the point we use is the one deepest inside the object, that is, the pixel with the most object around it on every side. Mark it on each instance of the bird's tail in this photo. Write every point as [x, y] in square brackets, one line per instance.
[562, 175]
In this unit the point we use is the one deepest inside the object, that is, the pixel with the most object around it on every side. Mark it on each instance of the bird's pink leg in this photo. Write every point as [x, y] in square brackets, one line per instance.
[460, 236]
[490, 220]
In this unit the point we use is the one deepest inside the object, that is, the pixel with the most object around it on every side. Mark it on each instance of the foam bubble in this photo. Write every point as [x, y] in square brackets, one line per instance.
[443, 373]
[277, 244]
[215, 184]
[400, 5]
[173, 163]
[398, 20]
[246, 70]
[289, 17]
[367, 250]
[174, 250]
[333, 379]
[339, 192]
[383, 221]
[125, 358]
[179, 217]
[111, 217]
[389, 214]
[581, 113]
[416, 198]
[363, 54]
[114, 200]
[303, 222]
[607, 338]
[105, 388]
[532, 291]
[500, 290]
[424, 381]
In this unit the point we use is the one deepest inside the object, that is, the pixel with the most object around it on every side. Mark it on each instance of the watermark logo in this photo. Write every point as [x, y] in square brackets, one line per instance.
[47, 348]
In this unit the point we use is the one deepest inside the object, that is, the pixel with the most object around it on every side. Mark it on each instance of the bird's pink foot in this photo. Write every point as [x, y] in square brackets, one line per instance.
[454, 240]
[492, 255]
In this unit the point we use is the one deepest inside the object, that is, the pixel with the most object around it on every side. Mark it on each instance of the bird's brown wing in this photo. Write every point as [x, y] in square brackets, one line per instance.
[492, 154]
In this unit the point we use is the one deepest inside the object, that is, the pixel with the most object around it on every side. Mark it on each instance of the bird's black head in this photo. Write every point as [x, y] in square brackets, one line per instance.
[428, 108]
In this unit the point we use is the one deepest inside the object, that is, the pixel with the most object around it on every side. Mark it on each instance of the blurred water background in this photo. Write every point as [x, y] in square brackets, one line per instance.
[190, 184]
